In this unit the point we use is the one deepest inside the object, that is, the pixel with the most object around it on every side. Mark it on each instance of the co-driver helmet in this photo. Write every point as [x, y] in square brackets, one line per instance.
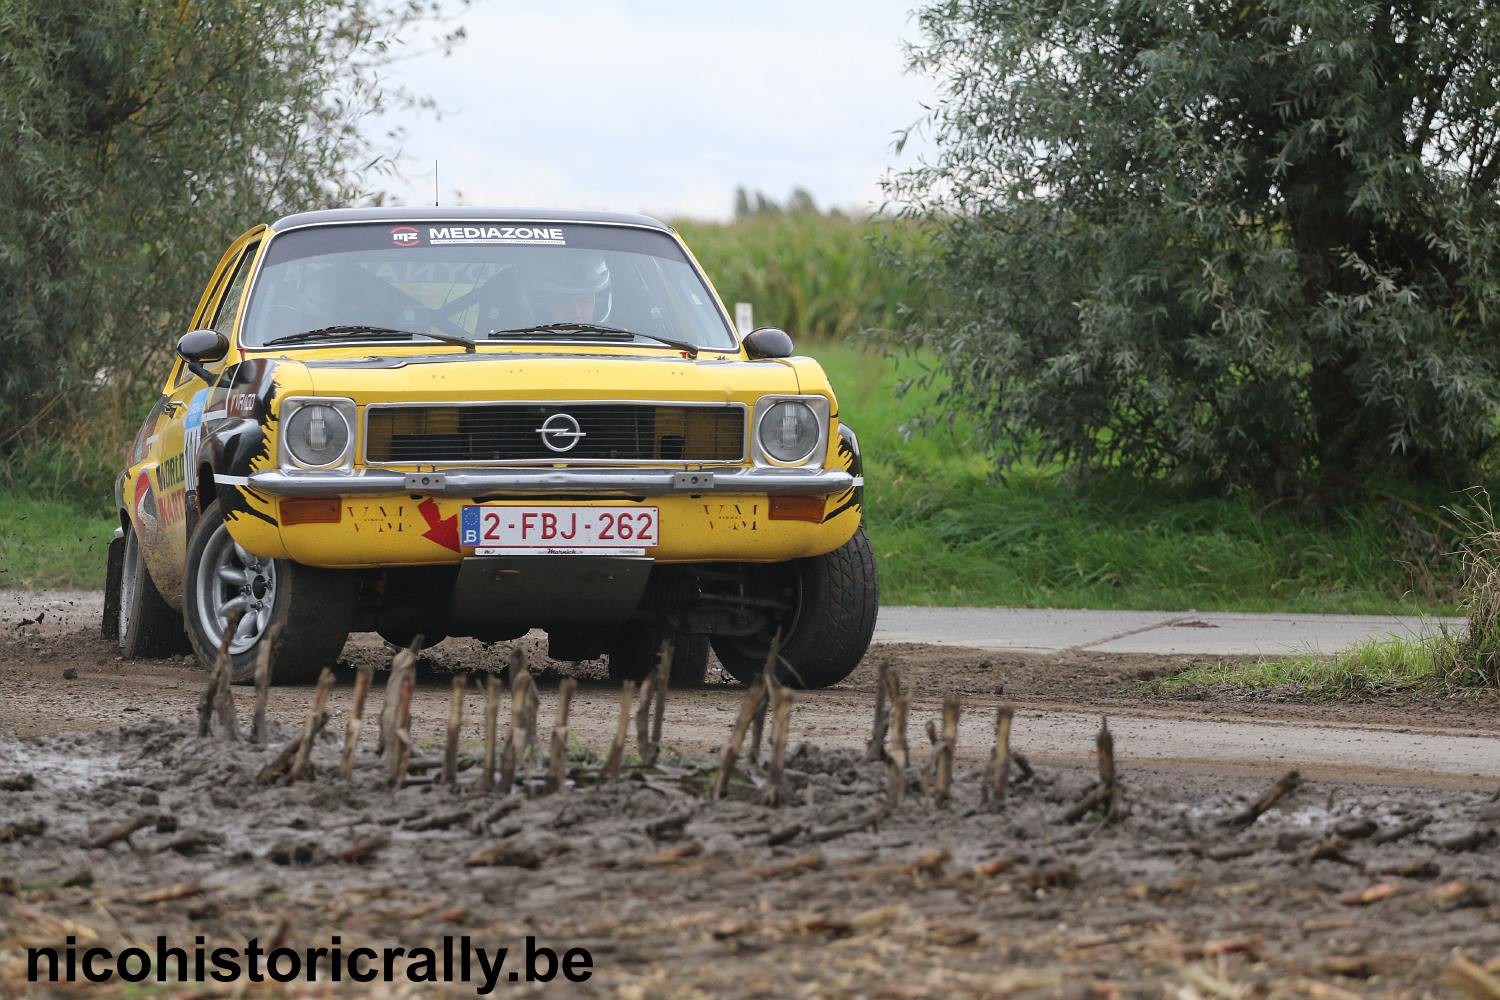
[569, 286]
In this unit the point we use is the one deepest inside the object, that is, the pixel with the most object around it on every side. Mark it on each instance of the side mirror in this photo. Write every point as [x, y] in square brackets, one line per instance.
[198, 346]
[768, 342]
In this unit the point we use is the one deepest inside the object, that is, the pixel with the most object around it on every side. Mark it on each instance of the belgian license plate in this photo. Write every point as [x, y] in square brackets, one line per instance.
[554, 529]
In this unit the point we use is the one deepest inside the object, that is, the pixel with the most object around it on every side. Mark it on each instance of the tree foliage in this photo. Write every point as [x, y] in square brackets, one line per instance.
[1248, 241]
[141, 136]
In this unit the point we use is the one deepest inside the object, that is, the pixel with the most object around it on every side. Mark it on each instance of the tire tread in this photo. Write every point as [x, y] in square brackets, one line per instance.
[840, 601]
[154, 630]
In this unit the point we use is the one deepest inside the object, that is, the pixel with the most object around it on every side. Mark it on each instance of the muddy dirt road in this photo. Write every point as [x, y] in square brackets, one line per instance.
[1378, 874]
[1337, 891]
[58, 676]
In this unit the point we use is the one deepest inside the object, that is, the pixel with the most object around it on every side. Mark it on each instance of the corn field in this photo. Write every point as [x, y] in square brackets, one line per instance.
[819, 277]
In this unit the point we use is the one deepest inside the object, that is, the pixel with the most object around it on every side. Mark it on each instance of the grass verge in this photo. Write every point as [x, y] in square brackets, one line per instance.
[51, 544]
[1441, 660]
[1380, 667]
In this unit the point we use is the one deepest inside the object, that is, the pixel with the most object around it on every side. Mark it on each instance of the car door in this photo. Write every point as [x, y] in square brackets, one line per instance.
[174, 472]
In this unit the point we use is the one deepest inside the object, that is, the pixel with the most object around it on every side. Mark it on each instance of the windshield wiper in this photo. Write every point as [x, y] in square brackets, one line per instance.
[340, 332]
[597, 329]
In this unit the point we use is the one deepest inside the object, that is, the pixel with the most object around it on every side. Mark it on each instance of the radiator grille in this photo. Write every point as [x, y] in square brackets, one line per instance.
[510, 432]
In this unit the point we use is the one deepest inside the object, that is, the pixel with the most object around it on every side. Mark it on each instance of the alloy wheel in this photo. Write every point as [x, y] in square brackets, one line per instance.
[232, 579]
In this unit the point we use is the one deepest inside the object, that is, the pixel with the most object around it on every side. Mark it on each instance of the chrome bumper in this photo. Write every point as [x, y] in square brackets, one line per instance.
[479, 482]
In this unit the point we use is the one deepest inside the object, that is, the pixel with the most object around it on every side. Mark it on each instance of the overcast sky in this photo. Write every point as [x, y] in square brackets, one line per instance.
[662, 106]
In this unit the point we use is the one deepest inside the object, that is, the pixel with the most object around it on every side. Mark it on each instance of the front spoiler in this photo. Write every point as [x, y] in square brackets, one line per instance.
[477, 482]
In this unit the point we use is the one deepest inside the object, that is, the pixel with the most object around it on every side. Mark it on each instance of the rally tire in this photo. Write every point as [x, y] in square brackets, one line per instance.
[114, 566]
[632, 655]
[146, 626]
[829, 630]
[313, 607]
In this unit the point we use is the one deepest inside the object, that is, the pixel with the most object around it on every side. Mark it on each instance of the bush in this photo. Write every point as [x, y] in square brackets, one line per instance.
[1255, 244]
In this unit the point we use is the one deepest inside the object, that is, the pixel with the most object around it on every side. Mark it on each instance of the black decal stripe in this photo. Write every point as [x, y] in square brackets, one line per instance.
[245, 509]
[853, 501]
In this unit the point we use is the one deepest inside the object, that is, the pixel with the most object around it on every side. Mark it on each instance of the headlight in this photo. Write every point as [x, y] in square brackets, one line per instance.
[789, 431]
[317, 436]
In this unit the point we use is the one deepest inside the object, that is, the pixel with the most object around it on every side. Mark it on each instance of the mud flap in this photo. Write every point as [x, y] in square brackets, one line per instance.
[537, 591]
[114, 568]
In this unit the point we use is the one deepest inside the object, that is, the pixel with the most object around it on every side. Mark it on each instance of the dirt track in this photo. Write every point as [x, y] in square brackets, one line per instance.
[1429, 742]
[1338, 891]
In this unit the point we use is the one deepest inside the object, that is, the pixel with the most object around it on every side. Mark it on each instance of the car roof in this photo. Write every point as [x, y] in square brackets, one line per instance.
[467, 213]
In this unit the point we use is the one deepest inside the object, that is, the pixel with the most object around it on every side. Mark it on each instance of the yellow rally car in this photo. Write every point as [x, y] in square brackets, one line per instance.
[475, 422]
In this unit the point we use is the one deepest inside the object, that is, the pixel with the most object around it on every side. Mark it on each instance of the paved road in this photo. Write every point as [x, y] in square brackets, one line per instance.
[1187, 632]
[1035, 629]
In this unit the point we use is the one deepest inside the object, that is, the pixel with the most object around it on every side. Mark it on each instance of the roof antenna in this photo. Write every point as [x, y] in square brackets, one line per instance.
[434, 183]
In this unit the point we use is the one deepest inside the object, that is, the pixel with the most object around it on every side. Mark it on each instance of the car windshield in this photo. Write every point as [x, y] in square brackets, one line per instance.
[468, 279]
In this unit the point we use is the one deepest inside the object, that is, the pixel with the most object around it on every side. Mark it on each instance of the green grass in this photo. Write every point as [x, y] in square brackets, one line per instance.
[945, 533]
[1380, 667]
[46, 544]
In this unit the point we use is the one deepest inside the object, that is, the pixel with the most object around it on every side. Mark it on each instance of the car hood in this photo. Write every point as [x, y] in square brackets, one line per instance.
[546, 376]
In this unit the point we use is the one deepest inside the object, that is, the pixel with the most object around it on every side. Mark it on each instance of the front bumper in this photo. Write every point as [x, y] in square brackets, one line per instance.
[479, 482]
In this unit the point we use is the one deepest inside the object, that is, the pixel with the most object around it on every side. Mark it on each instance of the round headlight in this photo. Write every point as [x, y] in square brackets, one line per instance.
[789, 431]
[317, 436]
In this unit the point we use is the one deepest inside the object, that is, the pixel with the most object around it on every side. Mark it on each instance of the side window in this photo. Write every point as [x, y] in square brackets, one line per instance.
[227, 310]
[229, 305]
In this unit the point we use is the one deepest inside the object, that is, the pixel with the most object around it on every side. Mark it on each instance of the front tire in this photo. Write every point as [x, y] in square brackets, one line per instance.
[313, 607]
[834, 600]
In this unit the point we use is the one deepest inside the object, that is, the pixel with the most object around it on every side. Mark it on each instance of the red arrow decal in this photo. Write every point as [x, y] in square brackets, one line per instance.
[443, 530]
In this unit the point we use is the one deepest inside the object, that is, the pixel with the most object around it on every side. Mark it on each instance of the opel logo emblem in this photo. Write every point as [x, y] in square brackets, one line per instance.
[560, 432]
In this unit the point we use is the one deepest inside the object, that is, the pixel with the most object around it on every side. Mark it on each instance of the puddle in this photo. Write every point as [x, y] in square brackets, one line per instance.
[60, 771]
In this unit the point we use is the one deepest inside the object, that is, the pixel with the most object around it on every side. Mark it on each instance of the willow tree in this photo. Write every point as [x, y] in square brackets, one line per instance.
[140, 136]
[1254, 243]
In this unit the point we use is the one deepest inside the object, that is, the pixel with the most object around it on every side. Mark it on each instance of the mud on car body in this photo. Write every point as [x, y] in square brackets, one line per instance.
[476, 422]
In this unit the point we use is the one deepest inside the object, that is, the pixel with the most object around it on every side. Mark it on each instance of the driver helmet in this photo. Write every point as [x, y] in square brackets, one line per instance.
[570, 288]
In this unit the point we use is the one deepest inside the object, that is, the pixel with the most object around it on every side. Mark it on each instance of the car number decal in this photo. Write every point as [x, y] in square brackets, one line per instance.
[192, 438]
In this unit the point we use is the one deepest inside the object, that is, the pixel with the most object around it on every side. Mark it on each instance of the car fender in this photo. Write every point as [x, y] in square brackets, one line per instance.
[846, 456]
[233, 441]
